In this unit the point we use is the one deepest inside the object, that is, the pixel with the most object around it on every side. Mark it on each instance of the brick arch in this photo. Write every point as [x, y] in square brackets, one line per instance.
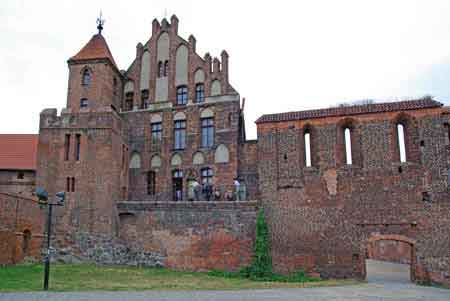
[368, 244]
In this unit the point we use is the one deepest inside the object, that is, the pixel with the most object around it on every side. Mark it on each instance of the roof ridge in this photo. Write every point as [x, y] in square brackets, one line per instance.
[350, 110]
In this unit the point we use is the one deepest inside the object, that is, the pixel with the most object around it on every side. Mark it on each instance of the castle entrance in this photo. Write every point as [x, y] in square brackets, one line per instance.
[390, 258]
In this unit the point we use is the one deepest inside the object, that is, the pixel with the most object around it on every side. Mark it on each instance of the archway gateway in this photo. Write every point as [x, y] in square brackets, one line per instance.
[387, 256]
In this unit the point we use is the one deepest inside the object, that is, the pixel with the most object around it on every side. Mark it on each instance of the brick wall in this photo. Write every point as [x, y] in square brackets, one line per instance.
[20, 215]
[321, 217]
[11, 181]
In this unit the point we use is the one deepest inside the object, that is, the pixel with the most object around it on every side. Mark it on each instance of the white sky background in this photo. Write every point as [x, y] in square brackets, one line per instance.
[284, 55]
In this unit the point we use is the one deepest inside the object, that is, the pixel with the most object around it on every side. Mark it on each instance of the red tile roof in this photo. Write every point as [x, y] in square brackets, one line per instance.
[351, 110]
[18, 151]
[96, 48]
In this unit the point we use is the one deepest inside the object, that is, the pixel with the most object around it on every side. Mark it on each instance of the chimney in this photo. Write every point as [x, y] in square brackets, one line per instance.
[155, 27]
[174, 23]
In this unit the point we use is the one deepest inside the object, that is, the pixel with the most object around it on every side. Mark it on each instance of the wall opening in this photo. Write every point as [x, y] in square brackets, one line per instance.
[390, 258]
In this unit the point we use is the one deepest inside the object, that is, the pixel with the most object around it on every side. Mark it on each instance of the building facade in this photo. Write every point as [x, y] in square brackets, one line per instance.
[151, 157]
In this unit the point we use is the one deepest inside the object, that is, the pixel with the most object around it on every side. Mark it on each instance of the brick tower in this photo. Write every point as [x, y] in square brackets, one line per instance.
[80, 151]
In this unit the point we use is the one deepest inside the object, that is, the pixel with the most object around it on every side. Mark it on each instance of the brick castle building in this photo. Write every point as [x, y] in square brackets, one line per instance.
[149, 156]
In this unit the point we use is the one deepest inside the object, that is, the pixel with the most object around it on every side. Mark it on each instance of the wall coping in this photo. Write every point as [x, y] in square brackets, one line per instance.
[128, 206]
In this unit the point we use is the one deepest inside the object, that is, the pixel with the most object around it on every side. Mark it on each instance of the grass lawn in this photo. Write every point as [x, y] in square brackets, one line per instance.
[113, 278]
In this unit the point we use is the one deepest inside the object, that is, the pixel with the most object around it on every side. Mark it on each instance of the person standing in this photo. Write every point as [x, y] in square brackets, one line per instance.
[236, 188]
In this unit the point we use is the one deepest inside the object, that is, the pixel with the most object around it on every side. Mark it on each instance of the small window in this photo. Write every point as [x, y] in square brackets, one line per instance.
[77, 146]
[307, 137]
[73, 185]
[180, 134]
[151, 185]
[67, 184]
[207, 175]
[166, 68]
[86, 80]
[20, 175]
[84, 103]
[207, 135]
[129, 101]
[199, 93]
[182, 95]
[66, 147]
[401, 142]
[144, 99]
[348, 146]
[156, 131]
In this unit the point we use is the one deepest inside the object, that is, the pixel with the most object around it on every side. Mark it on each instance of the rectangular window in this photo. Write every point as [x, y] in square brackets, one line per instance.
[182, 95]
[156, 131]
[207, 175]
[151, 185]
[199, 93]
[129, 101]
[348, 146]
[77, 146]
[180, 134]
[67, 184]
[307, 149]
[73, 185]
[20, 175]
[144, 99]
[67, 147]
[207, 132]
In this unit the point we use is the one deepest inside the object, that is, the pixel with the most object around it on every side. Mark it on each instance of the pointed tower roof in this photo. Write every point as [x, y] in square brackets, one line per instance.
[96, 48]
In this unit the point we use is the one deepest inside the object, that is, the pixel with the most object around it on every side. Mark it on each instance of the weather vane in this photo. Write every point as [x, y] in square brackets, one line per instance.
[100, 23]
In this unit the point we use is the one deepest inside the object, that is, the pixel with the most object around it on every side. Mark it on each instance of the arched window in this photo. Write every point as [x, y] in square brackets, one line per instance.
[307, 138]
[401, 142]
[166, 68]
[129, 101]
[86, 79]
[348, 146]
[160, 69]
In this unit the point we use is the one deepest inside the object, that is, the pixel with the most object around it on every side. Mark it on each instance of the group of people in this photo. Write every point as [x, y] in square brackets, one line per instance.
[206, 191]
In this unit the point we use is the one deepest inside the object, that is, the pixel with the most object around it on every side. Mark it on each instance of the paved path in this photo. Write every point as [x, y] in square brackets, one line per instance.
[366, 292]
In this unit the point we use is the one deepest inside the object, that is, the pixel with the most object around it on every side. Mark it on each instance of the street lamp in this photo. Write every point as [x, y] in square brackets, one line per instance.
[43, 200]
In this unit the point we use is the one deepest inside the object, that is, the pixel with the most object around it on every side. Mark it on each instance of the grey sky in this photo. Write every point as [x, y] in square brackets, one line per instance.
[284, 55]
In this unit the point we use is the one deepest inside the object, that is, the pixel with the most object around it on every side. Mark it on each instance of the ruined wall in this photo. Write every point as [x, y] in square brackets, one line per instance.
[321, 217]
[21, 228]
[191, 236]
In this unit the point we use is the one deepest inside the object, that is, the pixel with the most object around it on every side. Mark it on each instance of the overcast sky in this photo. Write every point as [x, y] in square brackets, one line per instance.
[284, 55]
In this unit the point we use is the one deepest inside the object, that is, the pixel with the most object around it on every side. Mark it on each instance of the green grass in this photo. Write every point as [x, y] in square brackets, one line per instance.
[114, 278]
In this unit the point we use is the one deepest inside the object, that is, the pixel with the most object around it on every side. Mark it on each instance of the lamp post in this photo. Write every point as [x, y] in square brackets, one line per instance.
[43, 200]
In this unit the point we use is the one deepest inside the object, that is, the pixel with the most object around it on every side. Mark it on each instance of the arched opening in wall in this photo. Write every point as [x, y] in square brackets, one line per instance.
[390, 258]
[26, 242]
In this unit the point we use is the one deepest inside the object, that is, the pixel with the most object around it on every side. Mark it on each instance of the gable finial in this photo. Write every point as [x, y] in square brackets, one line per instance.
[100, 22]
